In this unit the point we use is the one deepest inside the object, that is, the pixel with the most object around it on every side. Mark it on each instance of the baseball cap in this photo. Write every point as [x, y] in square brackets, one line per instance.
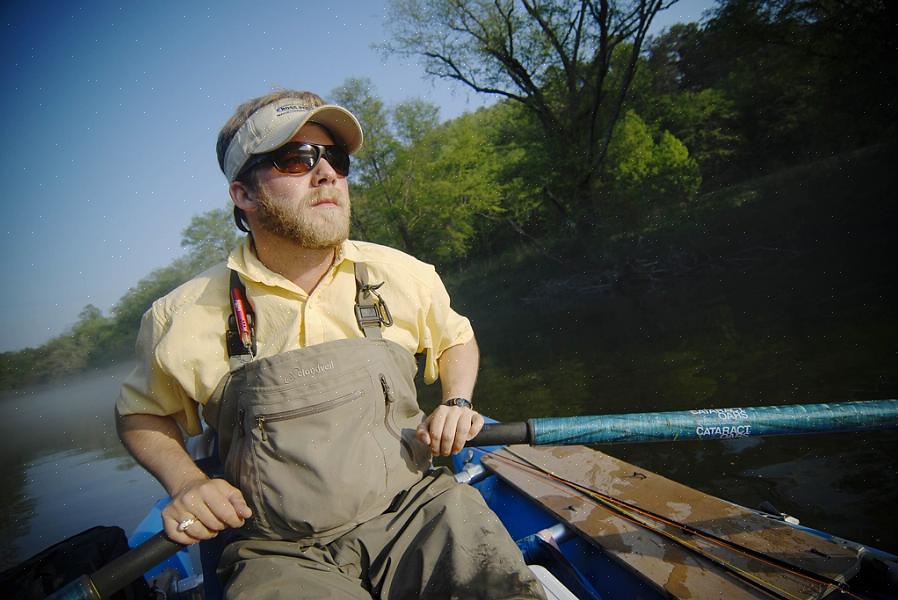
[274, 124]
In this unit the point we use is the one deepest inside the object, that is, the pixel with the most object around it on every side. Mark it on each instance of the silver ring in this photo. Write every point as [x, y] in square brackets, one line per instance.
[183, 525]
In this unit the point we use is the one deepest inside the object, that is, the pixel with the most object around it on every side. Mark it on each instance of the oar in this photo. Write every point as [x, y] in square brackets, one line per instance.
[702, 424]
[119, 572]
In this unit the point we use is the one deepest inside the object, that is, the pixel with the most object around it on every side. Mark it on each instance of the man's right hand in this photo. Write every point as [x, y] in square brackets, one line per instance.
[206, 506]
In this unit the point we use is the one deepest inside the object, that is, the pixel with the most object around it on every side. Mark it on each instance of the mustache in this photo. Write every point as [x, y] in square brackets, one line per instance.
[319, 195]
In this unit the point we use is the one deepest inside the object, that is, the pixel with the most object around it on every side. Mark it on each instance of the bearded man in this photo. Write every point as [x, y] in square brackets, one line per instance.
[299, 352]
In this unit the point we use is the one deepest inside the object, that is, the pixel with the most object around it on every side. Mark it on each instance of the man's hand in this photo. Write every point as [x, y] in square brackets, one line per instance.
[206, 507]
[447, 429]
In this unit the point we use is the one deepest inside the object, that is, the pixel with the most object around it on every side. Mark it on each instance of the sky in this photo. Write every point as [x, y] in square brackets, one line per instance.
[110, 111]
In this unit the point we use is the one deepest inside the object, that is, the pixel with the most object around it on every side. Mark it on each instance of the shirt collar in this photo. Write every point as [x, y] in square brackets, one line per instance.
[244, 260]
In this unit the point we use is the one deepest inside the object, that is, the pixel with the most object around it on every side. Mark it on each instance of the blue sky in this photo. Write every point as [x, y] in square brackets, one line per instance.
[110, 112]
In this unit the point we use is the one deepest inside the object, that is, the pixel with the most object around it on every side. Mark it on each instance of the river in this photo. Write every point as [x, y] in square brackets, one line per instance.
[62, 467]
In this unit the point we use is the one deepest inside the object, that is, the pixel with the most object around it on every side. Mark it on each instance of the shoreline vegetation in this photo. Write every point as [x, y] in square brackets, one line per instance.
[730, 144]
[748, 225]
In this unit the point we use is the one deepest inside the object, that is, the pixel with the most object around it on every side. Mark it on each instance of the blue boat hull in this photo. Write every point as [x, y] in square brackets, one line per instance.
[582, 568]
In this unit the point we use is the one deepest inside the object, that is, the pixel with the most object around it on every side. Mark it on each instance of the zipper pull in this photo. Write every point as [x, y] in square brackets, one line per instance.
[388, 394]
[260, 421]
[241, 421]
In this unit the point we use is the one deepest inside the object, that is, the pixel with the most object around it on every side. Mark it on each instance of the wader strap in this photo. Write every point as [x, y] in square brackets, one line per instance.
[241, 334]
[370, 309]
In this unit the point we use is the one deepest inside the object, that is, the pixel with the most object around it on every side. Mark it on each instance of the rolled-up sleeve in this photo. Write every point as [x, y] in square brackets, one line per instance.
[444, 328]
[150, 389]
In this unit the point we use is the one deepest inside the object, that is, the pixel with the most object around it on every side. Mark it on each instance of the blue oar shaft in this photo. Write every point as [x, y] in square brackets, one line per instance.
[703, 424]
[716, 423]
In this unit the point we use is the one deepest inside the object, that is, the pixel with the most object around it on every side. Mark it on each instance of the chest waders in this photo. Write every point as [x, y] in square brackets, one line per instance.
[322, 438]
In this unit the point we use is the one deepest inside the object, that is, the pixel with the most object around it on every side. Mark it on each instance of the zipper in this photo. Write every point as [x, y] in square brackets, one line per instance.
[261, 420]
[388, 393]
[238, 452]
[389, 400]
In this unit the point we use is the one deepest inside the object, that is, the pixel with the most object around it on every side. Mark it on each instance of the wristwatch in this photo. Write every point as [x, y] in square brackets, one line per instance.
[463, 402]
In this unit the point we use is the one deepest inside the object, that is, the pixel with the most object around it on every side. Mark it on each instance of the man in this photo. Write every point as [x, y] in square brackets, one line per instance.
[300, 352]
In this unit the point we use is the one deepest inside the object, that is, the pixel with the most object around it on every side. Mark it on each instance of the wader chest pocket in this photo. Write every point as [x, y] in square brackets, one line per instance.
[295, 413]
[312, 467]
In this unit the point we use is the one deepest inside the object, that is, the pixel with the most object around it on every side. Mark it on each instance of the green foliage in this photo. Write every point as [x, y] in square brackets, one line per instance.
[791, 81]
[705, 121]
[594, 138]
[210, 237]
[456, 187]
[419, 186]
[569, 65]
[647, 177]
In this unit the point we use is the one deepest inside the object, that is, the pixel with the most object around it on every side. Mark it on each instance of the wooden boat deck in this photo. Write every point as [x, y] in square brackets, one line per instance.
[668, 565]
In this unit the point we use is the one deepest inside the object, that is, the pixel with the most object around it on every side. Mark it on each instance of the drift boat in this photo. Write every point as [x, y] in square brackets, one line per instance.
[595, 527]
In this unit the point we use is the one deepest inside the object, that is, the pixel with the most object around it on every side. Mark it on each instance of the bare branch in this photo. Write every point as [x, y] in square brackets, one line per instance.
[457, 75]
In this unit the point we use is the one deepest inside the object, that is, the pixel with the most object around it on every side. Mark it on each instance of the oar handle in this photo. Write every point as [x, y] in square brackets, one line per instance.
[502, 434]
[120, 571]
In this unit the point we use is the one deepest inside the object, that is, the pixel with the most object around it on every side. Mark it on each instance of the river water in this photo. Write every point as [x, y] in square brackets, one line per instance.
[62, 467]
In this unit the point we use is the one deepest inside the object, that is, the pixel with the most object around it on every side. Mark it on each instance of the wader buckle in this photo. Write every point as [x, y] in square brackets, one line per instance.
[374, 314]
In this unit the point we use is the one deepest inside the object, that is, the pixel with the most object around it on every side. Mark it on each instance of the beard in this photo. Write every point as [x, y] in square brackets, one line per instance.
[299, 222]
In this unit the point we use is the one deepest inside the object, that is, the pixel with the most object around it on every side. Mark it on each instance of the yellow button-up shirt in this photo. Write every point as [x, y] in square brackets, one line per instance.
[181, 347]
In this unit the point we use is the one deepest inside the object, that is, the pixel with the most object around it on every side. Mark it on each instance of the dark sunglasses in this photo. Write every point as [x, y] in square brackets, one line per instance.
[299, 158]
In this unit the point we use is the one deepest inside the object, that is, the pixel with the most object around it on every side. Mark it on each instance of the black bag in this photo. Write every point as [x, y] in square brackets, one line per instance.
[82, 554]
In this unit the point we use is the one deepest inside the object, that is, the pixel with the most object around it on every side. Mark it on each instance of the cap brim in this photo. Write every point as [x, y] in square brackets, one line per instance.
[337, 120]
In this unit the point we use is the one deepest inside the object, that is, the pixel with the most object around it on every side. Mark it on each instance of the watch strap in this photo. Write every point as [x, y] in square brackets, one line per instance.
[463, 402]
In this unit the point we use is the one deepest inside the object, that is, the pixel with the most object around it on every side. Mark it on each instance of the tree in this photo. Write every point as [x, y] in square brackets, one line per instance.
[420, 186]
[210, 237]
[775, 82]
[381, 202]
[646, 179]
[434, 190]
[570, 63]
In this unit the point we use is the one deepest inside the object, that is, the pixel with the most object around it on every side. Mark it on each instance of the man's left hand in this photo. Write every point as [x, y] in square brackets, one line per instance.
[447, 429]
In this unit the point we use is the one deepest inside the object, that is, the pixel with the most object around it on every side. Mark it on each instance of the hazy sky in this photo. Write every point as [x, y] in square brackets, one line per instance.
[110, 112]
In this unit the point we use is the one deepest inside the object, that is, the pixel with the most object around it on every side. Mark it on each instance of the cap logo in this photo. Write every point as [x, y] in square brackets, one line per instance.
[291, 108]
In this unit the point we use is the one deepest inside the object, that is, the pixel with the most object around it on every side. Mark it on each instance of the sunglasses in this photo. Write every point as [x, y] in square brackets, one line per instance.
[299, 158]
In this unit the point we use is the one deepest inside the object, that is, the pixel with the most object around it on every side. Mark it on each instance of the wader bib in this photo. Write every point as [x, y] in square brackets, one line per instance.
[322, 438]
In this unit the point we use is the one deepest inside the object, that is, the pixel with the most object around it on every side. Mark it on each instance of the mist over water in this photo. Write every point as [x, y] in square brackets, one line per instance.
[62, 467]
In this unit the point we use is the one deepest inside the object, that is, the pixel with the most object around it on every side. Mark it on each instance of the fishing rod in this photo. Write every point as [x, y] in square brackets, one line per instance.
[702, 424]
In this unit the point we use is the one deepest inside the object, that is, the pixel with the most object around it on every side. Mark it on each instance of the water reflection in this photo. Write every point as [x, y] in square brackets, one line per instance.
[62, 468]
[794, 330]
